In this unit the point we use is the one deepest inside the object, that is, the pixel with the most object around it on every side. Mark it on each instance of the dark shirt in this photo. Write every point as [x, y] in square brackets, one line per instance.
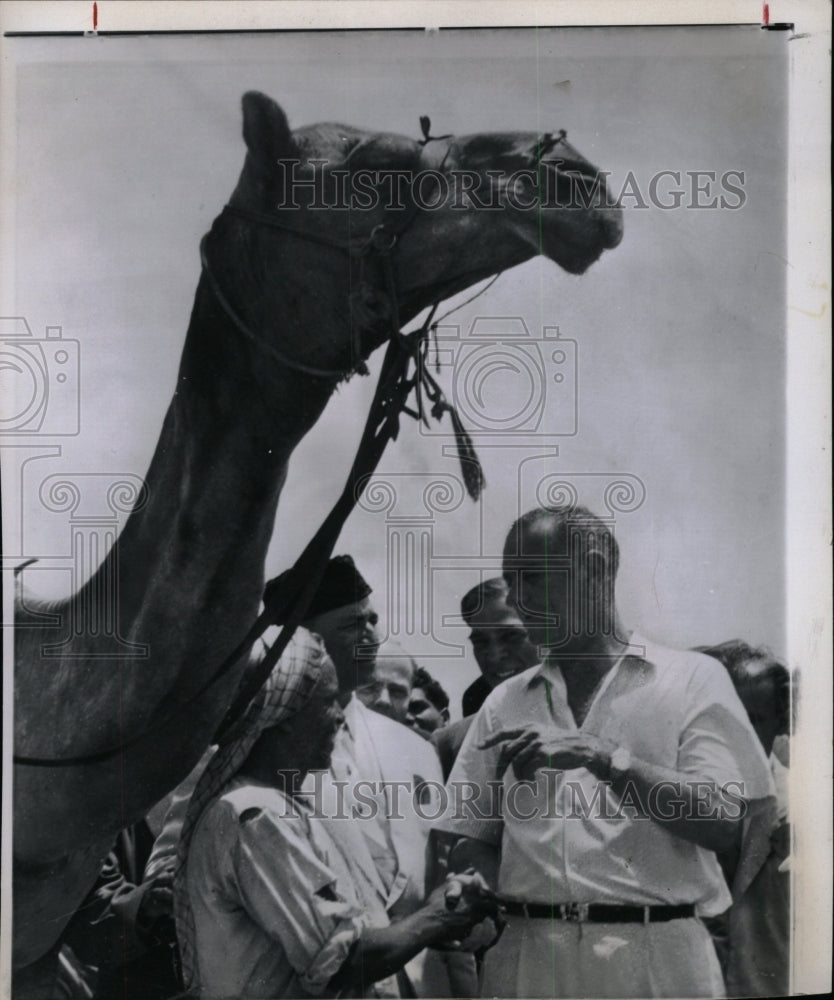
[134, 961]
[474, 696]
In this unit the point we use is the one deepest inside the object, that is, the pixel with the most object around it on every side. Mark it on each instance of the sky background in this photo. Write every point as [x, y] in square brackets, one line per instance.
[127, 149]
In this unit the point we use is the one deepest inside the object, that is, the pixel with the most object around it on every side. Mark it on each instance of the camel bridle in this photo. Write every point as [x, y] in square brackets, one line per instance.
[379, 244]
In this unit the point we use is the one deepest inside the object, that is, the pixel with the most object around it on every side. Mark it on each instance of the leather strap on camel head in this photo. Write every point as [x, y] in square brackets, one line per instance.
[445, 211]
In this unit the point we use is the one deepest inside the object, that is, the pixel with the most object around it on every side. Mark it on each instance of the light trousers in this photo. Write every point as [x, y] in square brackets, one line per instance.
[537, 957]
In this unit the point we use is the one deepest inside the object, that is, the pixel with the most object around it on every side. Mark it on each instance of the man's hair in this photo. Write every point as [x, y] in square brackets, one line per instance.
[736, 654]
[434, 692]
[479, 596]
[572, 532]
[393, 651]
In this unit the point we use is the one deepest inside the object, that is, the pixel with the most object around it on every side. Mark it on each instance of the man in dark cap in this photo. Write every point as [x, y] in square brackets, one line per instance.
[342, 614]
[379, 767]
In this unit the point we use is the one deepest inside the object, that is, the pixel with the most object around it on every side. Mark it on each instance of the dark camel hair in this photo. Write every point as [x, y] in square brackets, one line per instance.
[189, 564]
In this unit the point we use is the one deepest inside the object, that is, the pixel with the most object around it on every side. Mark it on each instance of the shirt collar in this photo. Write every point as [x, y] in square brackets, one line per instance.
[638, 653]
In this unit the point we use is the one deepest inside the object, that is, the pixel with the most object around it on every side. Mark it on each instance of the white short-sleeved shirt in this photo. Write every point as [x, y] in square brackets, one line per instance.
[674, 709]
[275, 909]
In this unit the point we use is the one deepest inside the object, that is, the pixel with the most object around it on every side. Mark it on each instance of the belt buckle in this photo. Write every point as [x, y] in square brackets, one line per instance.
[574, 913]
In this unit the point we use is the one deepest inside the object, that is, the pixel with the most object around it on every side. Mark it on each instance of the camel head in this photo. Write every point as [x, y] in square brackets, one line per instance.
[449, 211]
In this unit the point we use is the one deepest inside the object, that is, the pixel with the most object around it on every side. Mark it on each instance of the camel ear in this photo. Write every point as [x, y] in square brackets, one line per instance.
[266, 131]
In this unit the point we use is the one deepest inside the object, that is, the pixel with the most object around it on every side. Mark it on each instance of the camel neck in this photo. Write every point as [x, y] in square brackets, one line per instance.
[185, 578]
[227, 386]
[190, 563]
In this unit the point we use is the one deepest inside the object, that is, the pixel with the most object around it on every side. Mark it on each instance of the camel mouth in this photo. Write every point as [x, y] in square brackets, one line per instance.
[575, 186]
[575, 255]
[579, 219]
[612, 221]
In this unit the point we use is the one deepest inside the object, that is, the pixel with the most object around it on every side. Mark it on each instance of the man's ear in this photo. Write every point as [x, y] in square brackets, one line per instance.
[266, 132]
[445, 714]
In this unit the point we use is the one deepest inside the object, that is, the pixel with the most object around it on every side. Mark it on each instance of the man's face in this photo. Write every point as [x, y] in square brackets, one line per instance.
[759, 697]
[540, 592]
[500, 642]
[305, 741]
[389, 691]
[351, 640]
[422, 715]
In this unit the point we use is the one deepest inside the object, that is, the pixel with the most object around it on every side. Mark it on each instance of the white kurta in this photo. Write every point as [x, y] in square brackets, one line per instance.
[405, 771]
[390, 784]
[564, 838]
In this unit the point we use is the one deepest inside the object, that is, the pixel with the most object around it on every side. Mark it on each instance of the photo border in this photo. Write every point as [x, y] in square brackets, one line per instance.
[808, 584]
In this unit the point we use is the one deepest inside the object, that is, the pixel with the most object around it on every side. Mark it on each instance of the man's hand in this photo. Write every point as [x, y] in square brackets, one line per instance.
[446, 917]
[468, 888]
[158, 899]
[462, 901]
[528, 751]
[688, 805]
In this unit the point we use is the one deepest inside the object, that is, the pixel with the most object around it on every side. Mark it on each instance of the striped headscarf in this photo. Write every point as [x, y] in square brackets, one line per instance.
[287, 689]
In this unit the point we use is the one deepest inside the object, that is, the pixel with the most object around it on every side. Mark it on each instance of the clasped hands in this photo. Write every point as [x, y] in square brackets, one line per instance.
[527, 750]
[464, 903]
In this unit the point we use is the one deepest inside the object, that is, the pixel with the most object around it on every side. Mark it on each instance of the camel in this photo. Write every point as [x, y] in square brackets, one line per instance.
[281, 313]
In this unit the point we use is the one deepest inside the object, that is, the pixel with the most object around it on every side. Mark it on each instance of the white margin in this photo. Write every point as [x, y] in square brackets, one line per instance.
[808, 583]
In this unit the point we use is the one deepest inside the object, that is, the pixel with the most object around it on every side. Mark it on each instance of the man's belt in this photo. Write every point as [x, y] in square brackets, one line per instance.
[599, 913]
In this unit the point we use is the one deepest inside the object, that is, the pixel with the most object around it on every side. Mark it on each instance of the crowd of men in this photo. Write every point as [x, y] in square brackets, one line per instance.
[607, 819]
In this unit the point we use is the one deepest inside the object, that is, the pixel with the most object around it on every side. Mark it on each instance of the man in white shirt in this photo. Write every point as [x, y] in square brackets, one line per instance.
[592, 790]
